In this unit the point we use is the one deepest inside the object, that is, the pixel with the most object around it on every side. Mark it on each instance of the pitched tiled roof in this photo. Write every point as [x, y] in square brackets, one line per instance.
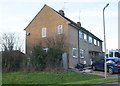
[79, 27]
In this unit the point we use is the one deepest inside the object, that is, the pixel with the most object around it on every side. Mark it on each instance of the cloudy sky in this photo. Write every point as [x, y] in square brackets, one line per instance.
[15, 15]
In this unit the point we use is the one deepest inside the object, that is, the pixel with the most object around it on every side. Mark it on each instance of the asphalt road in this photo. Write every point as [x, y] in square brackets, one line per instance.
[116, 83]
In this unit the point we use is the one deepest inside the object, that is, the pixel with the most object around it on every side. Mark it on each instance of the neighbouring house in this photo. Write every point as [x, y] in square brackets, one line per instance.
[82, 45]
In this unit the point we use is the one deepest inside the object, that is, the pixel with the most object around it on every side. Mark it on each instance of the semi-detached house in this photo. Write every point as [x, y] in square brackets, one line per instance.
[82, 45]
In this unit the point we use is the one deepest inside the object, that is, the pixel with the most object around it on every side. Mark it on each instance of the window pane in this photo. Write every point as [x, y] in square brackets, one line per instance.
[90, 39]
[95, 42]
[81, 53]
[59, 29]
[80, 34]
[43, 32]
[75, 52]
[98, 43]
[85, 37]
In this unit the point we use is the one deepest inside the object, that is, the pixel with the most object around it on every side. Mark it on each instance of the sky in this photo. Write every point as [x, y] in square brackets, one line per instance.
[15, 15]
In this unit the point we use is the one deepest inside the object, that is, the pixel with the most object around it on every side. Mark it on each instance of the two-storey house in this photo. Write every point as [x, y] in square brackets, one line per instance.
[82, 45]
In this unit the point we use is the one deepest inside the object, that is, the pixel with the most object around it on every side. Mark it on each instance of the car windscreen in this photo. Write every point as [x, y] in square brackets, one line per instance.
[117, 60]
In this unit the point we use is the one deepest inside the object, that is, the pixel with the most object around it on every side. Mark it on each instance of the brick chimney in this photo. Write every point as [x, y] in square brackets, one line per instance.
[62, 12]
[78, 23]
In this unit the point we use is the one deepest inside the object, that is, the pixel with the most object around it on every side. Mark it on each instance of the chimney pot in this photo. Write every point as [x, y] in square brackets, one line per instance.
[78, 23]
[61, 12]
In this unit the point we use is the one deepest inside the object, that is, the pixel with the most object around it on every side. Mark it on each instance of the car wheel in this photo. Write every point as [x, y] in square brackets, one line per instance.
[110, 70]
[94, 68]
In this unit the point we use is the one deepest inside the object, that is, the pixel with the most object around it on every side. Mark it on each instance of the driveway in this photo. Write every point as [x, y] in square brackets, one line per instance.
[90, 71]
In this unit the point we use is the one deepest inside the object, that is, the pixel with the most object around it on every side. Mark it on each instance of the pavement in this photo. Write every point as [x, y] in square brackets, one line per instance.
[88, 70]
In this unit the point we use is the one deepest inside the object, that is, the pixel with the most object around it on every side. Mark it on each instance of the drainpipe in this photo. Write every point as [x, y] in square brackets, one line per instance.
[79, 24]
[78, 48]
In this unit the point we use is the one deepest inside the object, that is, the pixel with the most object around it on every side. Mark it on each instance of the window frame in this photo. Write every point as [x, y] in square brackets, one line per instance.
[90, 41]
[45, 49]
[82, 53]
[95, 42]
[60, 29]
[80, 34]
[74, 56]
[85, 37]
[98, 43]
[44, 32]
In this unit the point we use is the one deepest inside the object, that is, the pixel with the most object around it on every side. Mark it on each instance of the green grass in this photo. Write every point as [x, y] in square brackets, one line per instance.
[94, 81]
[0, 78]
[46, 77]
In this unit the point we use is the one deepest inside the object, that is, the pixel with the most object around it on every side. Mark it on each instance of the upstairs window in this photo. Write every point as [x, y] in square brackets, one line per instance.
[75, 52]
[98, 43]
[90, 39]
[60, 29]
[80, 34]
[43, 32]
[85, 37]
[95, 42]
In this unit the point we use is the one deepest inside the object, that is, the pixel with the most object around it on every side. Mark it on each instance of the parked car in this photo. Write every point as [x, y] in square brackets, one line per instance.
[113, 65]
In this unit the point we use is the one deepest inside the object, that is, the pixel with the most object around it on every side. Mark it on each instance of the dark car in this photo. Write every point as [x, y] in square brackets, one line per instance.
[113, 65]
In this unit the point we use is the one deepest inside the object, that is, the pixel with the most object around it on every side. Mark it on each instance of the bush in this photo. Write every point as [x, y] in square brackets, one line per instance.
[38, 58]
[55, 57]
[11, 60]
[48, 61]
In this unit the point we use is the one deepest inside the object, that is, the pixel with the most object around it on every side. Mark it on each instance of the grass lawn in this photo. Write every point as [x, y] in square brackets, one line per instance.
[46, 77]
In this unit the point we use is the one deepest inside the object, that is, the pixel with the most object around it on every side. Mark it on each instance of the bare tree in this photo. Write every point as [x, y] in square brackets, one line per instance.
[10, 41]
[57, 41]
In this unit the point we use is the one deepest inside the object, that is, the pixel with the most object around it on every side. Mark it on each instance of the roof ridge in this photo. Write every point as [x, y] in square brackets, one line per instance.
[71, 21]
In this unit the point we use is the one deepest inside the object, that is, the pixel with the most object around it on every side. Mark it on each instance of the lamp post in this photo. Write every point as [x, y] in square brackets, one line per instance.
[105, 65]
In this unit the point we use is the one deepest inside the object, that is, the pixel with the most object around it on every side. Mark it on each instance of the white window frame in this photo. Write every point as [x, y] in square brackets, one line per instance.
[95, 42]
[74, 50]
[85, 37]
[90, 39]
[82, 53]
[98, 43]
[45, 49]
[60, 29]
[80, 34]
[44, 32]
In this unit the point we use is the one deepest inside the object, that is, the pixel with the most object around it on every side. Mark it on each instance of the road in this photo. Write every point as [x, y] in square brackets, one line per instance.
[116, 83]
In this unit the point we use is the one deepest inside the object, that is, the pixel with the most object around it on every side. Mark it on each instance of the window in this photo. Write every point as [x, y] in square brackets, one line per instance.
[84, 62]
[90, 39]
[45, 49]
[81, 53]
[85, 37]
[80, 34]
[98, 43]
[59, 29]
[43, 32]
[95, 42]
[74, 52]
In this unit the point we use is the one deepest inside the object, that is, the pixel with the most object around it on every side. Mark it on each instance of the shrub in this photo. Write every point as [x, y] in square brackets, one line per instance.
[38, 58]
[54, 59]
[11, 60]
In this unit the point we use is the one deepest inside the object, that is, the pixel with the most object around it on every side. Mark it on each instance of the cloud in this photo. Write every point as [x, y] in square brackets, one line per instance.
[93, 13]
[82, 1]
